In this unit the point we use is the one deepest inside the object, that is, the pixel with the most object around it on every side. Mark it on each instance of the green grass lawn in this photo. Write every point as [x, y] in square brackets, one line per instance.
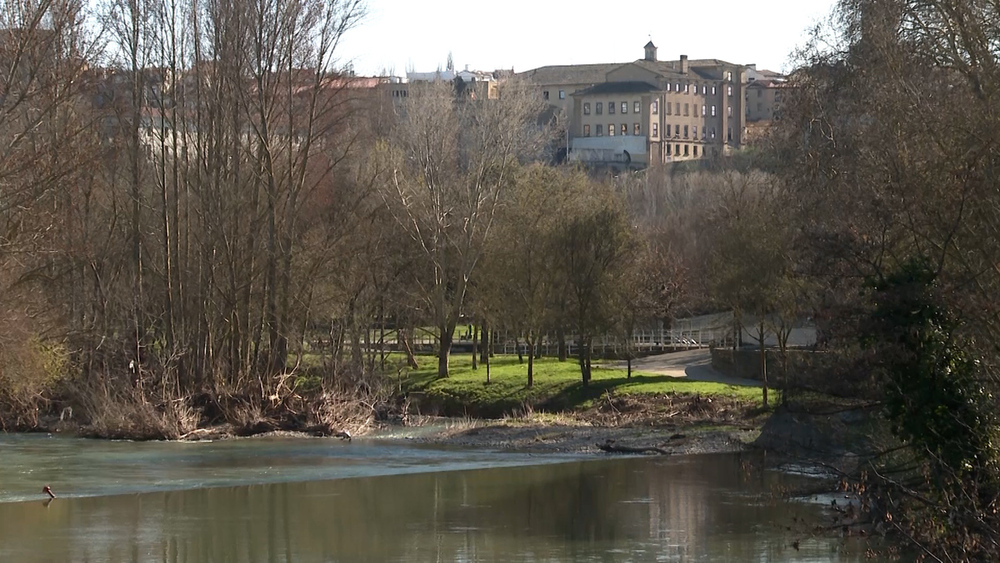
[557, 385]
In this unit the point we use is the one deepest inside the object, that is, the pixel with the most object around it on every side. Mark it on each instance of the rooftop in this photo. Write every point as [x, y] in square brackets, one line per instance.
[570, 74]
[630, 87]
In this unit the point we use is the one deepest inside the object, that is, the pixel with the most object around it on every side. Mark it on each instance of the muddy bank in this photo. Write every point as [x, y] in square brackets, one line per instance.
[673, 423]
[545, 437]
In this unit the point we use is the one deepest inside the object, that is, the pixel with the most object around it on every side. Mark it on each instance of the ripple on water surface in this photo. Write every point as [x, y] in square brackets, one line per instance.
[76, 467]
[286, 503]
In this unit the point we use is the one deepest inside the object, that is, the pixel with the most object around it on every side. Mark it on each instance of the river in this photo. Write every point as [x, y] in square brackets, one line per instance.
[290, 499]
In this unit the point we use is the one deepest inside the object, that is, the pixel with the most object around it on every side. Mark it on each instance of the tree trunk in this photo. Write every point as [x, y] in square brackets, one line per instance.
[763, 360]
[447, 335]
[629, 361]
[404, 343]
[783, 350]
[520, 353]
[531, 363]
[584, 358]
[484, 349]
[486, 355]
[357, 356]
[381, 334]
[475, 343]
[561, 335]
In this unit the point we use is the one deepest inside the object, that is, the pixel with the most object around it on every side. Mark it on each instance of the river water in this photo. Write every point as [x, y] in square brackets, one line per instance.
[288, 499]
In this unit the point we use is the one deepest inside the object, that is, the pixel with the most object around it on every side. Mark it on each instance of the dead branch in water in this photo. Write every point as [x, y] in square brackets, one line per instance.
[611, 447]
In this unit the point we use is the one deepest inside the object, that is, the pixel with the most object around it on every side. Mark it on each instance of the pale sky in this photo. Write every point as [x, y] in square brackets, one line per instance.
[526, 34]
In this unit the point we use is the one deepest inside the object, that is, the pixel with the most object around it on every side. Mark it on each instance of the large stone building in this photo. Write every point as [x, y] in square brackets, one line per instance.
[649, 111]
[764, 98]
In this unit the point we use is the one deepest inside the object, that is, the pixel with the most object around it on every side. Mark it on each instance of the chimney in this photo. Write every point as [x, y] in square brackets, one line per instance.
[684, 64]
[650, 52]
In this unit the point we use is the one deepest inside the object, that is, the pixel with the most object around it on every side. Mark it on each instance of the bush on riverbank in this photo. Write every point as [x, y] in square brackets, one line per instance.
[29, 370]
[557, 387]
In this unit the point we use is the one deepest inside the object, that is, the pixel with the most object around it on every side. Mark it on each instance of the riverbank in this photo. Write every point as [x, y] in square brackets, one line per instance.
[671, 423]
[662, 409]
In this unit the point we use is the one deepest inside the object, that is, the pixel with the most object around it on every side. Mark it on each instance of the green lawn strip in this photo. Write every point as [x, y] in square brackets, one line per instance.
[557, 385]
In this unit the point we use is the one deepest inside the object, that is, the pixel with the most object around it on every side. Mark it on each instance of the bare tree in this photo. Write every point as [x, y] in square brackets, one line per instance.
[452, 160]
[751, 262]
[592, 249]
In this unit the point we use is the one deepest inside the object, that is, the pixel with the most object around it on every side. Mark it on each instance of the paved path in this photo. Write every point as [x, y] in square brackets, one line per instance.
[695, 365]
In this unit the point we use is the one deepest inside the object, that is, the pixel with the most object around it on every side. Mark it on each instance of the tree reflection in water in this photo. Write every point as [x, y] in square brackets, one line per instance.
[683, 509]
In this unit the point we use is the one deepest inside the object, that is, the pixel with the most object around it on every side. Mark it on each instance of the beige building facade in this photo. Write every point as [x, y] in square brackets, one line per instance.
[764, 99]
[648, 112]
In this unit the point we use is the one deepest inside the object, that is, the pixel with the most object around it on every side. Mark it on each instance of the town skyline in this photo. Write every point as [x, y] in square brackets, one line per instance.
[395, 37]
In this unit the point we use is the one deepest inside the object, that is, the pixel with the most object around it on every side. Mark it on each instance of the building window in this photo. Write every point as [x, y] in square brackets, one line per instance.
[687, 110]
[677, 150]
[624, 108]
[685, 131]
[729, 76]
[713, 90]
[686, 150]
[694, 131]
[677, 130]
[611, 129]
[677, 108]
[713, 111]
[656, 107]
[599, 108]
[703, 111]
[586, 130]
[729, 90]
[729, 111]
[670, 108]
[562, 94]
[624, 129]
[668, 86]
[677, 87]
[694, 108]
[600, 130]
[713, 132]
[586, 108]
[729, 135]
[635, 107]
[545, 94]
[611, 108]
[704, 89]
[637, 129]
[687, 88]
[695, 150]
[656, 132]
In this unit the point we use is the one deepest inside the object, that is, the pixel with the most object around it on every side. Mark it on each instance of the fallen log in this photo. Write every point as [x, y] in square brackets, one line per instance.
[611, 447]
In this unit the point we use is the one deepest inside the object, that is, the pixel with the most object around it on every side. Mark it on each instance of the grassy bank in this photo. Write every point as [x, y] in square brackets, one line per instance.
[557, 387]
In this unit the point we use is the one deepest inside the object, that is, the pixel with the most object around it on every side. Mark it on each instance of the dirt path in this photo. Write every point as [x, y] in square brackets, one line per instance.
[695, 365]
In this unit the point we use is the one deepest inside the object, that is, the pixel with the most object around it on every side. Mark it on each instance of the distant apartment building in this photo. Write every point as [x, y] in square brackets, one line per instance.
[649, 111]
[764, 98]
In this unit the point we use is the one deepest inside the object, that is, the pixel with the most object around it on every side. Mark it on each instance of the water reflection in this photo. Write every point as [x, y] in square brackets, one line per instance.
[704, 508]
